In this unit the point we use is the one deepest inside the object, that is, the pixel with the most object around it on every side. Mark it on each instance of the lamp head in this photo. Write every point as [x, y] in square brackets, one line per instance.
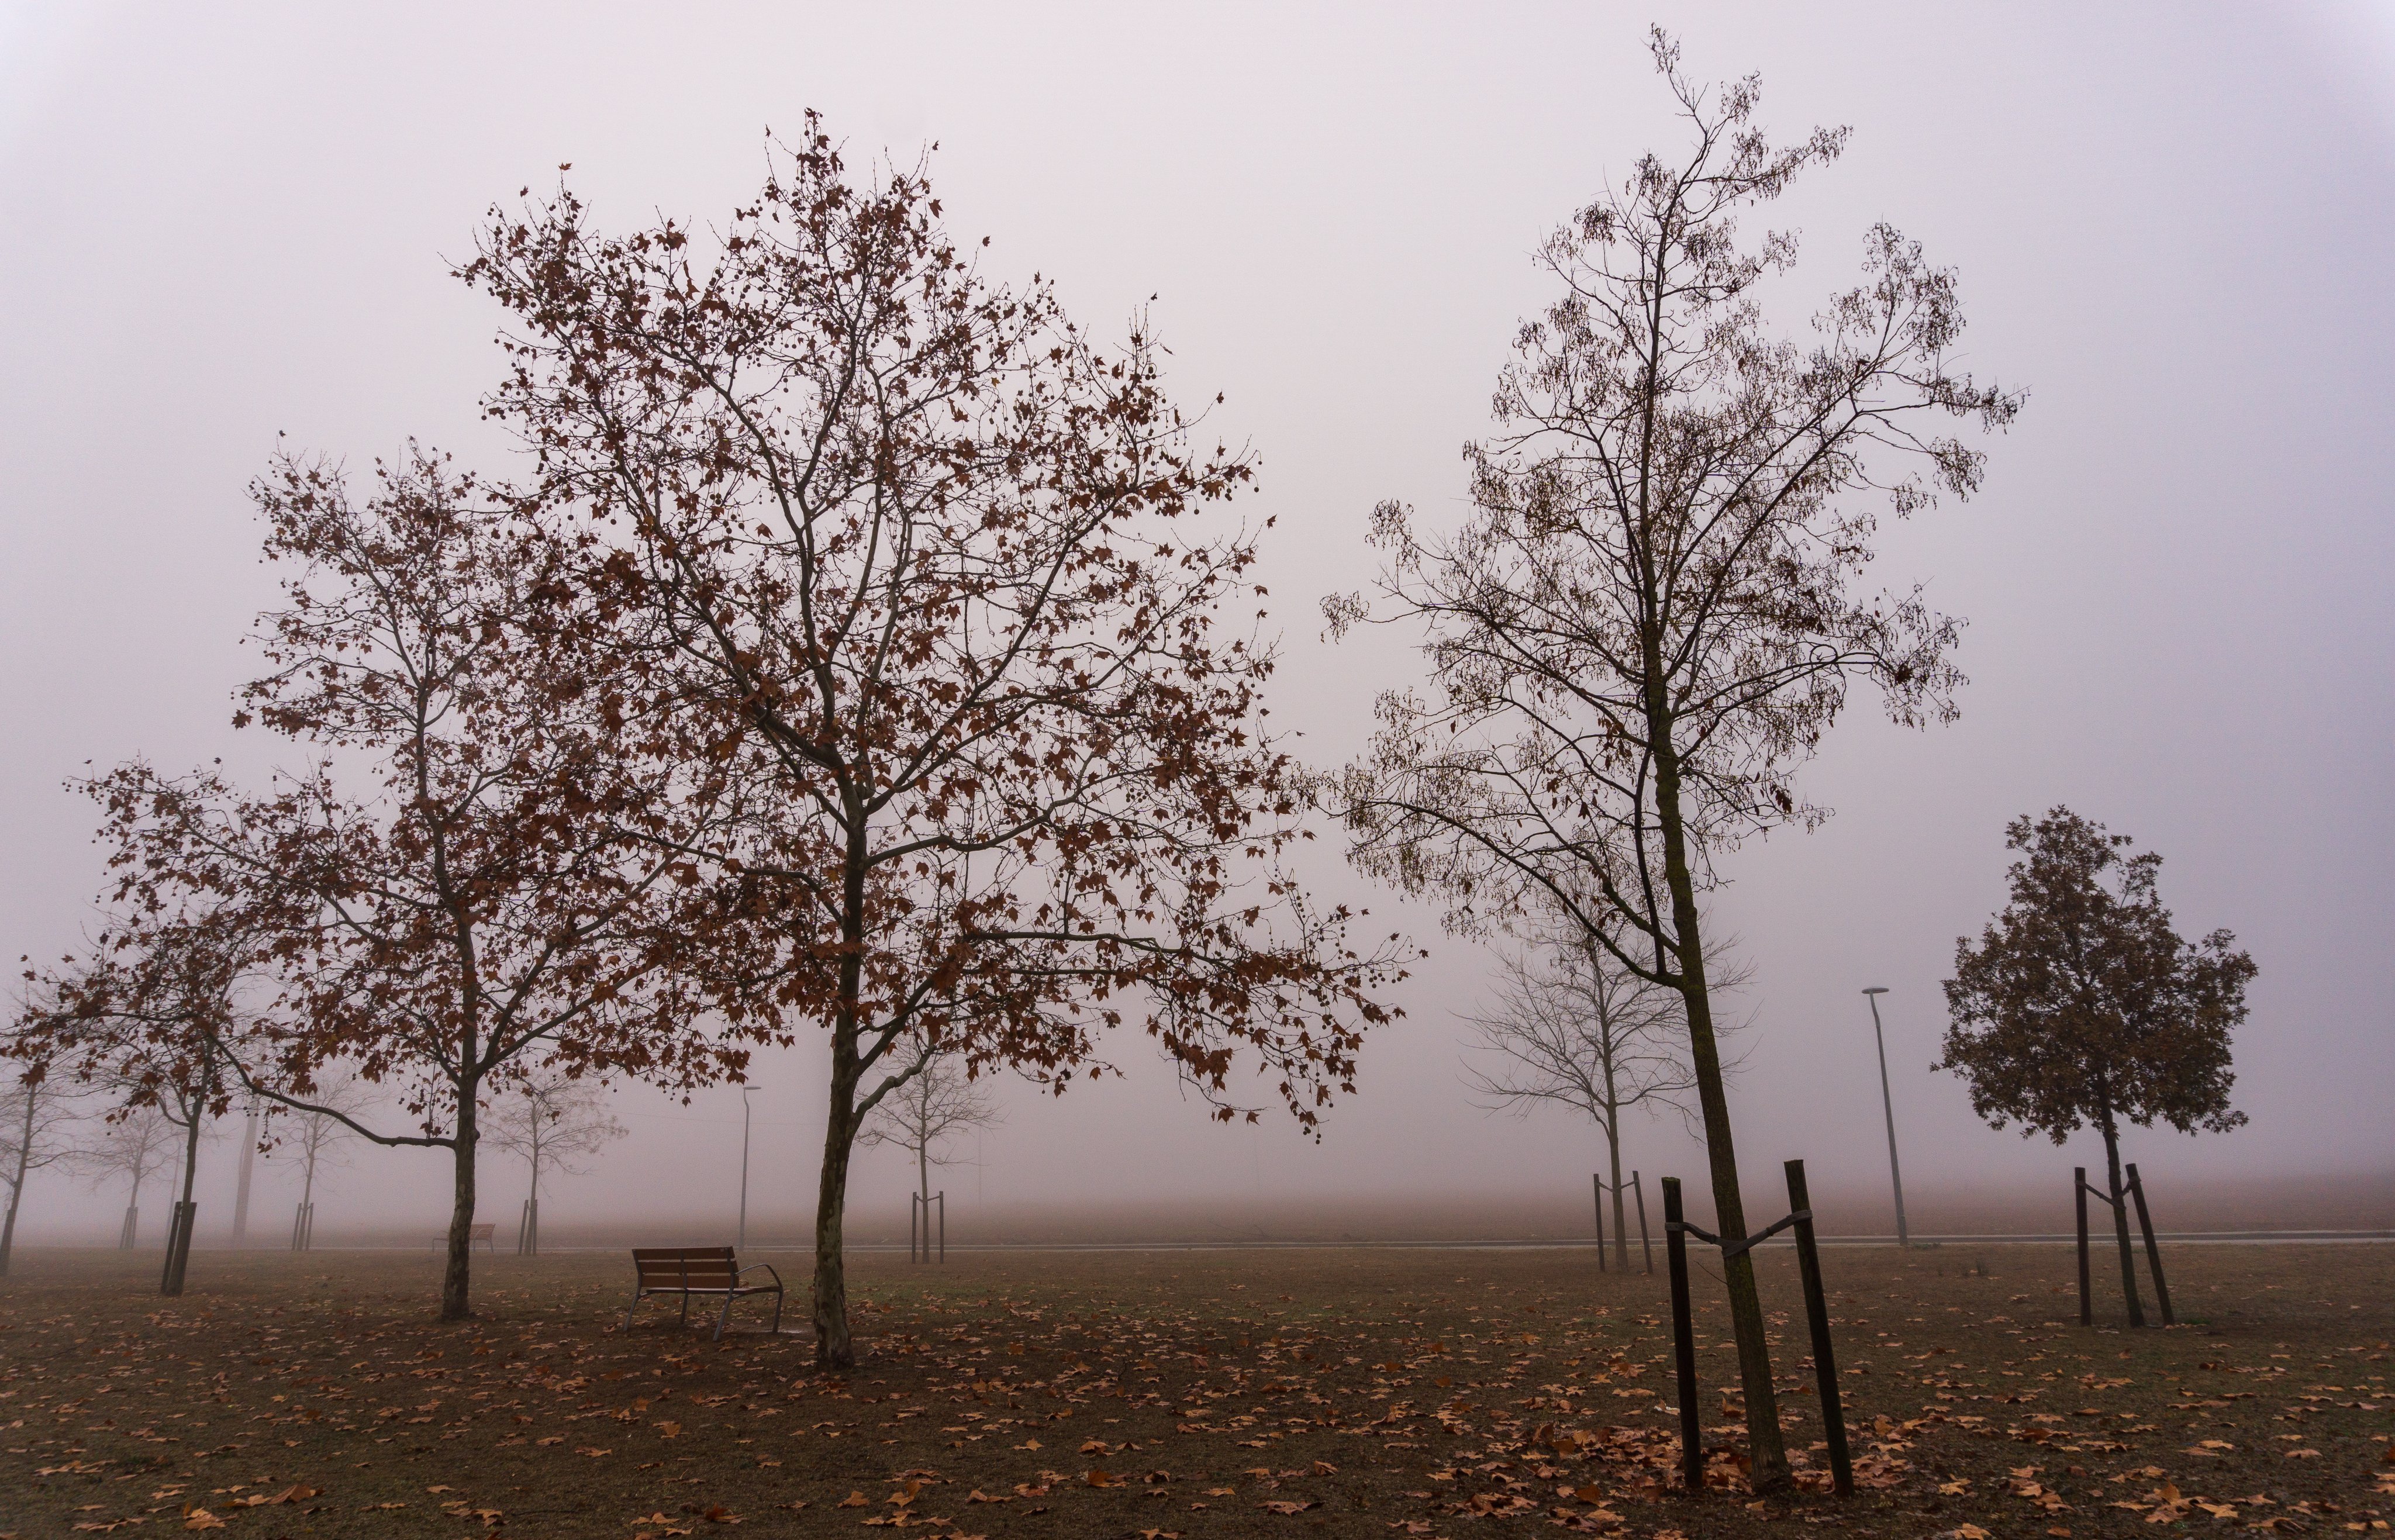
[1876, 989]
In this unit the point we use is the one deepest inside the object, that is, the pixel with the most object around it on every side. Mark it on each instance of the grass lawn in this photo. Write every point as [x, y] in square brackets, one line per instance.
[1352, 1392]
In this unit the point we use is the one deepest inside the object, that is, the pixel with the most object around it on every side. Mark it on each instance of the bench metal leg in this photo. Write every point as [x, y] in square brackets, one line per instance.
[639, 1293]
[725, 1317]
[778, 1312]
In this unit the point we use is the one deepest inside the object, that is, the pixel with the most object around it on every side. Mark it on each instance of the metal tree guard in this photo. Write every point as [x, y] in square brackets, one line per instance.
[919, 1226]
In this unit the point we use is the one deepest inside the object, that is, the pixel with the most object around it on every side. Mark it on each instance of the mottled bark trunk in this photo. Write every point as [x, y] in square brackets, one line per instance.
[456, 1278]
[833, 1349]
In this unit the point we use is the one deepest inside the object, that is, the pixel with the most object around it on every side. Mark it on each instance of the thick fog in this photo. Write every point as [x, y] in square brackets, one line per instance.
[2174, 226]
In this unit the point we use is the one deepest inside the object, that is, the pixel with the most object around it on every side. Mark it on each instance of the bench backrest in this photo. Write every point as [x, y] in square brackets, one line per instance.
[478, 1232]
[685, 1267]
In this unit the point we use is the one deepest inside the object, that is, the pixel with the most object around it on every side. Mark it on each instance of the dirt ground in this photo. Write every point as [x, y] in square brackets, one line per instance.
[1181, 1394]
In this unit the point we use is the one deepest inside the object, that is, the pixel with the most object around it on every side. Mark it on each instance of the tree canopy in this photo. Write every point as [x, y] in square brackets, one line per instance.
[2081, 1004]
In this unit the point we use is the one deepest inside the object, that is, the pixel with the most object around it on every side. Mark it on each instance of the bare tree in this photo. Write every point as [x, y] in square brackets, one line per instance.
[1575, 1028]
[1648, 619]
[318, 1134]
[552, 1119]
[35, 1122]
[943, 1099]
[132, 1146]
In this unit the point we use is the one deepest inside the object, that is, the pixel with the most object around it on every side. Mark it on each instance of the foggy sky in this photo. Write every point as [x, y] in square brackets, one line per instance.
[2173, 228]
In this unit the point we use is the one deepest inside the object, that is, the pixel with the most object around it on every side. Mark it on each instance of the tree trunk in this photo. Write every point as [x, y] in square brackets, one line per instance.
[1621, 1233]
[1769, 1460]
[456, 1278]
[833, 1349]
[17, 1182]
[178, 1223]
[2120, 1212]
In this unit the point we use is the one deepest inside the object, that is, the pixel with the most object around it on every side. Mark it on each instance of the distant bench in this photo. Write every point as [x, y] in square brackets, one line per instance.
[686, 1271]
[475, 1235]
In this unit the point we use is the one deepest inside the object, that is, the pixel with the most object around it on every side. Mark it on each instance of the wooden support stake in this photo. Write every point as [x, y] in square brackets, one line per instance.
[1816, 1314]
[2153, 1251]
[1598, 1182]
[1640, 1194]
[2079, 1192]
[1683, 1339]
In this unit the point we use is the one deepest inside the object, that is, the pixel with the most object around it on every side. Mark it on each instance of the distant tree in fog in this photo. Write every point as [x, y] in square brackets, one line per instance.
[2081, 1004]
[1575, 1028]
[553, 1121]
[939, 1100]
[953, 596]
[133, 1147]
[37, 1130]
[1649, 614]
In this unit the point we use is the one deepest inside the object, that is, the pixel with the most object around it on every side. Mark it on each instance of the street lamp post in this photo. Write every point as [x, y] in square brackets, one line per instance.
[1887, 1104]
[745, 1091]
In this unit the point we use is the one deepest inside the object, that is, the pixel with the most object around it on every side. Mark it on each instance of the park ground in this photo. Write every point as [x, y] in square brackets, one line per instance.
[1382, 1392]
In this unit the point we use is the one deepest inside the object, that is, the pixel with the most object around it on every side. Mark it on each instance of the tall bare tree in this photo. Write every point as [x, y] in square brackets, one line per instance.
[554, 1121]
[1646, 621]
[2082, 1005]
[944, 584]
[481, 868]
[940, 1100]
[1573, 1027]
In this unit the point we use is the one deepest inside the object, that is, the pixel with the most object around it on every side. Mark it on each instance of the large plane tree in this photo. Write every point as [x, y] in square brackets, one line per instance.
[944, 584]
[1653, 609]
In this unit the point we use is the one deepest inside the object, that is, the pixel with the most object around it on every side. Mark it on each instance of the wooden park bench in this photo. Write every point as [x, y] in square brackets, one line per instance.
[481, 1235]
[698, 1270]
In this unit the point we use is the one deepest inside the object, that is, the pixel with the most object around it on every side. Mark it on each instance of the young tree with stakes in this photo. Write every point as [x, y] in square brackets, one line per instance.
[1576, 1027]
[507, 887]
[2082, 1005]
[134, 1147]
[943, 582]
[145, 1020]
[318, 1139]
[553, 1120]
[1646, 621]
[939, 1100]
